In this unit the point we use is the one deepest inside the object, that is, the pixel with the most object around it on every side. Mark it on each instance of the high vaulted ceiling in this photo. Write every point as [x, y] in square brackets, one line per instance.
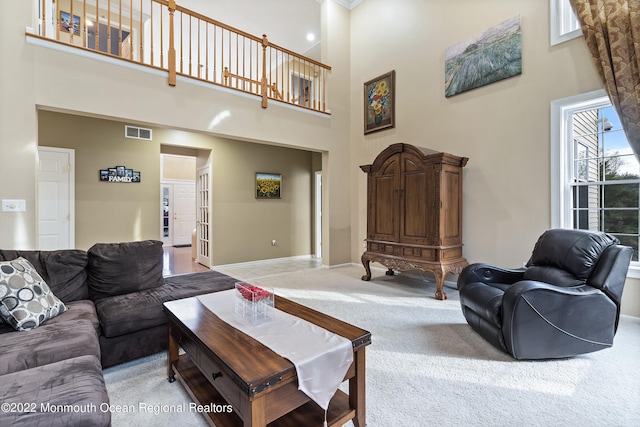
[285, 22]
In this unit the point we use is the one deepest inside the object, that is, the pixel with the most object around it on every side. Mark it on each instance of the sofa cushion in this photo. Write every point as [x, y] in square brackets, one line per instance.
[77, 311]
[123, 348]
[124, 314]
[77, 382]
[121, 268]
[47, 344]
[65, 271]
[26, 300]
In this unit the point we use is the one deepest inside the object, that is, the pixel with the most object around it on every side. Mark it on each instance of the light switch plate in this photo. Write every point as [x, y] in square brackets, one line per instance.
[14, 205]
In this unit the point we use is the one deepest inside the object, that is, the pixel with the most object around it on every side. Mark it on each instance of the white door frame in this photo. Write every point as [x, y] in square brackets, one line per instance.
[166, 240]
[72, 192]
[203, 215]
[318, 215]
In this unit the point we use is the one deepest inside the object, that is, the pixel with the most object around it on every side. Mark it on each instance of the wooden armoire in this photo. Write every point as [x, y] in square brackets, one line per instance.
[414, 212]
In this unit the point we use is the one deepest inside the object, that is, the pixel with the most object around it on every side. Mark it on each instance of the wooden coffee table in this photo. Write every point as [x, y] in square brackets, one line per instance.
[223, 366]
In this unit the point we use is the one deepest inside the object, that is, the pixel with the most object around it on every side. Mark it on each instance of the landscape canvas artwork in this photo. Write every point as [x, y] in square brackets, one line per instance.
[495, 54]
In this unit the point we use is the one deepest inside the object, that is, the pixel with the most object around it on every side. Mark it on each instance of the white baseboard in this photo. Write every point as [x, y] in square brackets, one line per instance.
[264, 261]
[630, 318]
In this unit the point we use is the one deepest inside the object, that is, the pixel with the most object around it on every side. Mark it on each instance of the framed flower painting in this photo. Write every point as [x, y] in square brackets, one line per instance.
[380, 103]
[268, 185]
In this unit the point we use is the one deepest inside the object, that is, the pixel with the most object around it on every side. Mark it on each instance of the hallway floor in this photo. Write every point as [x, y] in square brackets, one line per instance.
[177, 260]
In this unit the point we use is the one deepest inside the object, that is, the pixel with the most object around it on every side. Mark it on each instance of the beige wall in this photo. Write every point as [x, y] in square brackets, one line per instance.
[107, 211]
[42, 76]
[182, 168]
[242, 226]
[503, 128]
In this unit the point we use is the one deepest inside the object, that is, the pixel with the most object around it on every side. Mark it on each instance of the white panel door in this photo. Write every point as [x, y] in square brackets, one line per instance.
[184, 213]
[202, 235]
[55, 198]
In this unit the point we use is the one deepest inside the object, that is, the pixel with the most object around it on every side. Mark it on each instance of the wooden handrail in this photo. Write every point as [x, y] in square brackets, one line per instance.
[191, 45]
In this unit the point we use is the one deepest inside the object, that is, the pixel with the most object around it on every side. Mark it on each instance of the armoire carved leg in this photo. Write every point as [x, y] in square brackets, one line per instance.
[440, 294]
[367, 268]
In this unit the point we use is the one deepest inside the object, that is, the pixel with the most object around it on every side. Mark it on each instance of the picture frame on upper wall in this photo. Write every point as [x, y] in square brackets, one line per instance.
[380, 103]
[268, 185]
[66, 23]
[564, 25]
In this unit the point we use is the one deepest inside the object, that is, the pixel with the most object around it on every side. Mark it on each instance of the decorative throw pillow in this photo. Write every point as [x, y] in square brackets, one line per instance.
[25, 299]
[124, 268]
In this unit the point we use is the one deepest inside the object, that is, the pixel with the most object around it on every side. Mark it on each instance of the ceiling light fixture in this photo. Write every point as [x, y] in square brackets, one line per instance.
[311, 37]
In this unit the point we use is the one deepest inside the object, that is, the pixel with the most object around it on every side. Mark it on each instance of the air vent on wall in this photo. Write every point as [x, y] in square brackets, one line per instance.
[137, 133]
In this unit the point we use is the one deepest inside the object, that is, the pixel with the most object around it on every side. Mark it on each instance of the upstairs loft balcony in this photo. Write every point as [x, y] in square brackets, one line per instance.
[163, 35]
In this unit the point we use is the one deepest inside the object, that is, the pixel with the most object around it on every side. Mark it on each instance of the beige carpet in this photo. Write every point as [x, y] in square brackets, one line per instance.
[425, 365]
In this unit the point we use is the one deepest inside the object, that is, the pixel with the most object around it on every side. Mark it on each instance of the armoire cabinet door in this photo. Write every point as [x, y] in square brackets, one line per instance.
[417, 201]
[383, 199]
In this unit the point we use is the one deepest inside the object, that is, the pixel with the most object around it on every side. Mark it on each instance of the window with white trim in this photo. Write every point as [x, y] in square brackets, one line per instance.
[595, 174]
[564, 23]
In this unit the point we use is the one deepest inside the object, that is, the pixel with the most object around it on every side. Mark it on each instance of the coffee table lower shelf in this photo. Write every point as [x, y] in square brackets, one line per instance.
[308, 415]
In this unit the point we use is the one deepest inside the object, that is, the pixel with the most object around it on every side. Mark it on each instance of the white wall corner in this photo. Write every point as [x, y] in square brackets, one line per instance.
[349, 4]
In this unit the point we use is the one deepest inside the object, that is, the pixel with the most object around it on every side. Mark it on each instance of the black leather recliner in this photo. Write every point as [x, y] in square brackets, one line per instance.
[564, 303]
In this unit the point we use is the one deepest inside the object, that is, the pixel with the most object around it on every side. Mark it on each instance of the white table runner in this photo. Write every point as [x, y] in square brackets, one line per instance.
[321, 358]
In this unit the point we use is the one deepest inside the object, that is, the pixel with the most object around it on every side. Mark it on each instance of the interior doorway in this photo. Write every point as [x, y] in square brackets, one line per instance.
[178, 199]
[302, 90]
[178, 212]
[116, 39]
[56, 198]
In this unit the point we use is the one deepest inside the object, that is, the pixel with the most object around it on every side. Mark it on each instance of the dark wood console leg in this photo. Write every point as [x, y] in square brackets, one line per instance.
[357, 390]
[367, 268]
[172, 355]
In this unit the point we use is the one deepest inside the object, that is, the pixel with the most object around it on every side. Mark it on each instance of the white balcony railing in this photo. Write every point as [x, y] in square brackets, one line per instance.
[163, 35]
